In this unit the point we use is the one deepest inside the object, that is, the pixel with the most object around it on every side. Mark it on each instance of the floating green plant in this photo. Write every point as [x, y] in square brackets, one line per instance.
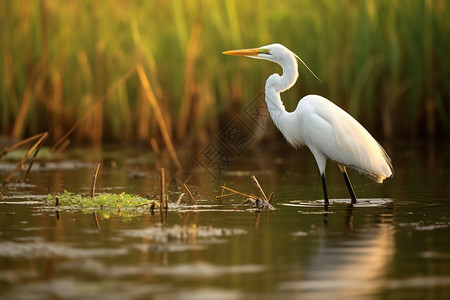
[103, 201]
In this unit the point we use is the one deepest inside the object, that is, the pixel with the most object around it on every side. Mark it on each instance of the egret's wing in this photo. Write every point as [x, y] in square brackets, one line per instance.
[341, 138]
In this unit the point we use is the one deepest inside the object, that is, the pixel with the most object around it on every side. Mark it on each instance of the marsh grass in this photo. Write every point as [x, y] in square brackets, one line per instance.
[384, 61]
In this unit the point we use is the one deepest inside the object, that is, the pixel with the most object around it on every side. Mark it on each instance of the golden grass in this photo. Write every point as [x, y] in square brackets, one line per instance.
[66, 65]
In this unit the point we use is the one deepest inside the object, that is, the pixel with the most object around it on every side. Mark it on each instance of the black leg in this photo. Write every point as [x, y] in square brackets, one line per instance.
[325, 194]
[325, 215]
[349, 186]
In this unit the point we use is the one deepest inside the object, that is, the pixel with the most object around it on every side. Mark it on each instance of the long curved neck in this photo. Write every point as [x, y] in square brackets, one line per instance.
[277, 84]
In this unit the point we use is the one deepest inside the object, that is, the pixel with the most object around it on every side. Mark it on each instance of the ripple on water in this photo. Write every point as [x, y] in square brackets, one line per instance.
[420, 226]
[43, 249]
[180, 238]
[180, 233]
[68, 288]
[364, 202]
[24, 198]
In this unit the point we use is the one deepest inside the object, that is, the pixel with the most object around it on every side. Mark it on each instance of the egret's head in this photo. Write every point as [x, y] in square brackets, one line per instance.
[276, 53]
[273, 52]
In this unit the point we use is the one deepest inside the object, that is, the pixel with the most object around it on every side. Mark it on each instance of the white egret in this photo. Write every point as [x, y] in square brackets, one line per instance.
[327, 130]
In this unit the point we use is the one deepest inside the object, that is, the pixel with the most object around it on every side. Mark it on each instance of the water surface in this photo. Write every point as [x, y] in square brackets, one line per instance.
[394, 244]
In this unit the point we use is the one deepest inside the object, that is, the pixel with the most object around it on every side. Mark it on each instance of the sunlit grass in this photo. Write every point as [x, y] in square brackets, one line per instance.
[386, 62]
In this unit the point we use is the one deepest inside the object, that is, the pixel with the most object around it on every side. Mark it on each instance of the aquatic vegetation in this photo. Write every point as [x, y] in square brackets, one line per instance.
[103, 201]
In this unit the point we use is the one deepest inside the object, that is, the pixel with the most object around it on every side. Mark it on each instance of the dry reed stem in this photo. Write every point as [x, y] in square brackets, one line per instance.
[158, 115]
[167, 202]
[43, 137]
[27, 96]
[154, 145]
[34, 155]
[222, 195]
[265, 202]
[237, 192]
[56, 104]
[93, 107]
[190, 194]
[164, 218]
[179, 199]
[63, 146]
[6, 150]
[270, 197]
[225, 195]
[162, 198]
[223, 190]
[259, 188]
[94, 179]
[163, 201]
[189, 75]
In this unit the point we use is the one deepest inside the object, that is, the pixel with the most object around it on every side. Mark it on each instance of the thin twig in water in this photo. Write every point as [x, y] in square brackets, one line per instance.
[163, 202]
[179, 199]
[258, 202]
[94, 179]
[225, 195]
[242, 194]
[221, 195]
[270, 197]
[263, 195]
[190, 194]
[162, 198]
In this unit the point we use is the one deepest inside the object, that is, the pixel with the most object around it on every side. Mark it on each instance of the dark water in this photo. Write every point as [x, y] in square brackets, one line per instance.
[395, 244]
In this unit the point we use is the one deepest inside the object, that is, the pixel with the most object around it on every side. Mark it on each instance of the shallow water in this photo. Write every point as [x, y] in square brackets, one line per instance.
[395, 243]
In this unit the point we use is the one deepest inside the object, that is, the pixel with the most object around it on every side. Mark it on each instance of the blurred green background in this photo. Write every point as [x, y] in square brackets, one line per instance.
[384, 61]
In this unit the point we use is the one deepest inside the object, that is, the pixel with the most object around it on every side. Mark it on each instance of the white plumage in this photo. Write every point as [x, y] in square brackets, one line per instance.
[327, 130]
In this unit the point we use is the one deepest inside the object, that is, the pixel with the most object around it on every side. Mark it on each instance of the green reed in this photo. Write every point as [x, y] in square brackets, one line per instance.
[386, 62]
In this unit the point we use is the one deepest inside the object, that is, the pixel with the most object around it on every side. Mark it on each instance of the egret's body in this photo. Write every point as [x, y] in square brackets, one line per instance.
[327, 130]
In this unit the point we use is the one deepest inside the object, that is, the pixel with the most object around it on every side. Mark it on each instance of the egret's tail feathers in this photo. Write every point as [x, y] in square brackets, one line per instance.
[388, 161]
[384, 169]
[379, 179]
[375, 177]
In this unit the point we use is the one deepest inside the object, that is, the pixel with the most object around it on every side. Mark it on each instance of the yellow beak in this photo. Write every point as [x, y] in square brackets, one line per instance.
[244, 52]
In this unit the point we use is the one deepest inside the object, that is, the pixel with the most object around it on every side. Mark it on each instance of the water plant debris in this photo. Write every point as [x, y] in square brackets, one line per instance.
[190, 194]
[254, 201]
[103, 201]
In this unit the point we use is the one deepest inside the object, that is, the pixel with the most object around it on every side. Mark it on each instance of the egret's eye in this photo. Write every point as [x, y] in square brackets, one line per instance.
[264, 51]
